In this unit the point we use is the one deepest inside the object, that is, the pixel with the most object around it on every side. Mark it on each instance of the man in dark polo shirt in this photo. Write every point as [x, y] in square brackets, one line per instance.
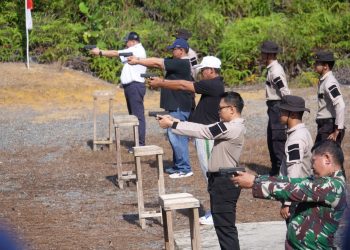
[177, 102]
[211, 87]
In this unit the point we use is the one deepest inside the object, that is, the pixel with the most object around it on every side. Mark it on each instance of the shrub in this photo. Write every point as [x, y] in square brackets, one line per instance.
[305, 79]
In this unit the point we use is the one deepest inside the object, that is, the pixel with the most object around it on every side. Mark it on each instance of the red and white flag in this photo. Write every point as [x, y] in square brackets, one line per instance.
[29, 22]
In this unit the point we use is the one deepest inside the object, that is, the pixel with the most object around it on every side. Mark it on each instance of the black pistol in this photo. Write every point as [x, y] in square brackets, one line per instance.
[231, 171]
[89, 47]
[125, 54]
[148, 75]
[156, 113]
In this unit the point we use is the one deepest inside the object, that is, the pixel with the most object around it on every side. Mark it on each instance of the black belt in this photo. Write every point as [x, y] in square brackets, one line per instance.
[216, 174]
[127, 84]
[324, 121]
[272, 102]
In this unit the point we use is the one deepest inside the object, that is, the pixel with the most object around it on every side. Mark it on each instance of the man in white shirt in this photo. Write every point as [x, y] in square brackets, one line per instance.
[132, 82]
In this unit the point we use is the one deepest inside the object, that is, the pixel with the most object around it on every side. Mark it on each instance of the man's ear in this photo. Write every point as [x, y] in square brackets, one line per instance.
[327, 159]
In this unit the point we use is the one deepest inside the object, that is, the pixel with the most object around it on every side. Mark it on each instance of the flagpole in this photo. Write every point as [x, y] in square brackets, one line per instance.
[27, 34]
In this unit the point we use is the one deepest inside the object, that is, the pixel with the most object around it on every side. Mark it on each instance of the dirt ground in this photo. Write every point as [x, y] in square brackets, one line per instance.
[56, 193]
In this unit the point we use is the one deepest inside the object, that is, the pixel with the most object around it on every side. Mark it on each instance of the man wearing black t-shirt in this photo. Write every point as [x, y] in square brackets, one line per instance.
[211, 87]
[177, 102]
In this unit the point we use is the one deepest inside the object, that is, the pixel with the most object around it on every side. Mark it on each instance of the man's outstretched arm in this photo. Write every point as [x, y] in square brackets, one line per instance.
[157, 82]
[150, 62]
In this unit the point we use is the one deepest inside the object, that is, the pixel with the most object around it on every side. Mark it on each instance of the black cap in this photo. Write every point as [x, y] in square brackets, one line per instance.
[132, 36]
[324, 56]
[182, 33]
[293, 103]
[269, 47]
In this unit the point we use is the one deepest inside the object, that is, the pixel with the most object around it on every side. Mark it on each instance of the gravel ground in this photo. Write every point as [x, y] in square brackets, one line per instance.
[58, 194]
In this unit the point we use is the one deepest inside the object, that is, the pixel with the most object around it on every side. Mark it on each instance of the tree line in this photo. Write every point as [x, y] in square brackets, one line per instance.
[229, 29]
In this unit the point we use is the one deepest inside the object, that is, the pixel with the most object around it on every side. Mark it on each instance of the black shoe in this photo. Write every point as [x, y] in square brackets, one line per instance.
[130, 150]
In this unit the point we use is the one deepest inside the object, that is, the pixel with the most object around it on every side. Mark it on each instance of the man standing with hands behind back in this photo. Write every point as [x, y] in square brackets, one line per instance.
[297, 160]
[331, 106]
[276, 87]
[132, 82]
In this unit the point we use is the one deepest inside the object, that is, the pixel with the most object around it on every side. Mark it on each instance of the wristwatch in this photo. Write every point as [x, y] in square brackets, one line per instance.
[257, 179]
[100, 53]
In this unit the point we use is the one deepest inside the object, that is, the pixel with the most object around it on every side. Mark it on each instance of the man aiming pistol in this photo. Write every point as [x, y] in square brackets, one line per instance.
[131, 79]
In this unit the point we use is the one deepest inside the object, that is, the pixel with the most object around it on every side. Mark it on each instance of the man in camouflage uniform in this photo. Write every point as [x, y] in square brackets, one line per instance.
[322, 197]
[331, 106]
[276, 87]
[228, 136]
[297, 160]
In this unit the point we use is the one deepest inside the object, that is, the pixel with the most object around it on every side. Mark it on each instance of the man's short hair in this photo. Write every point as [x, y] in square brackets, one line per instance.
[234, 99]
[331, 147]
[217, 71]
[330, 64]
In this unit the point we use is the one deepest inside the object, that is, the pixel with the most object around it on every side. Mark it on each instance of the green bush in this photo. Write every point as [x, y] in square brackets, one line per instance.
[230, 29]
[305, 79]
[12, 44]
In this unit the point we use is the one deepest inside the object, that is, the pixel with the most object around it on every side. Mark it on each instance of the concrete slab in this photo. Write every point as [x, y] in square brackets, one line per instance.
[252, 236]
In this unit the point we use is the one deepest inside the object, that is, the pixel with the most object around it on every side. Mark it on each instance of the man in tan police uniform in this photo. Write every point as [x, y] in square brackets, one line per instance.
[276, 87]
[331, 106]
[228, 136]
[297, 159]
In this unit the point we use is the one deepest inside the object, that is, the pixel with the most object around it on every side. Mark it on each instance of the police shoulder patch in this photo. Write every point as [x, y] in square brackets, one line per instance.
[217, 129]
[293, 152]
[193, 61]
[334, 91]
[278, 82]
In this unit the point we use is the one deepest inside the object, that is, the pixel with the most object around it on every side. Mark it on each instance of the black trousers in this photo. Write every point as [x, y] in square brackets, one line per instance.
[325, 127]
[223, 200]
[134, 93]
[276, 136]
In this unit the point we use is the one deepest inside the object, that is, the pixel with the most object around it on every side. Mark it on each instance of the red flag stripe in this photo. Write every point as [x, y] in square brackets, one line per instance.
[29, 4]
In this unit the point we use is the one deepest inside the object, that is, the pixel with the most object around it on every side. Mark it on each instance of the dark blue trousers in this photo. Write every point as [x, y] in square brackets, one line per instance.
[134, 94]
[276, 136]
[325, 127]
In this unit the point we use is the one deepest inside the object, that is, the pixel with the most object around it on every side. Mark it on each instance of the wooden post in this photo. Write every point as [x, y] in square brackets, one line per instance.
[110, 123]
[95, 123]
[170, 244]
[119, 160]
[140, 201]
[194, 229]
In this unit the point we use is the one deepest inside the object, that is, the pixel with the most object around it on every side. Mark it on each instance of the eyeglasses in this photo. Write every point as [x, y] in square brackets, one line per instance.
[220, 108]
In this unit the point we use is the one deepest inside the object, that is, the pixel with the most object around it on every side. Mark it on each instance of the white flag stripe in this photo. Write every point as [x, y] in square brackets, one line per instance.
[29, 22]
